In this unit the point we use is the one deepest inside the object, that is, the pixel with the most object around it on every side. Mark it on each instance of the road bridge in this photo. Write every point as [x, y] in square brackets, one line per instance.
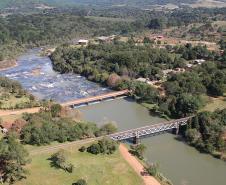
[72, 103]
[149, 130]
[93, 99]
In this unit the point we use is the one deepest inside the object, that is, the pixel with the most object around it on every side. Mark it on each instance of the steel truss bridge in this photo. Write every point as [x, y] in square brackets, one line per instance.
[149, 130]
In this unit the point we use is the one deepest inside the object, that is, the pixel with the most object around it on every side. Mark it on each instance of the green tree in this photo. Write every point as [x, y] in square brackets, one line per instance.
[107, 129]
[13, 158]
[104, 146]
[59, 160]
[107, 146]
[80, 182]
[55, 110]
[94, 149]
[153, 169]
[138, 150]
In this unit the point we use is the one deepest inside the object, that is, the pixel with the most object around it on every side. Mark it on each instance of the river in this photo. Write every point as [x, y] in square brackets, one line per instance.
[181, 163]
[36, 75]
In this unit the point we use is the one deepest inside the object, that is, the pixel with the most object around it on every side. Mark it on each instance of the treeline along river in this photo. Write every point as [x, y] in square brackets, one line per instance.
[181, 163]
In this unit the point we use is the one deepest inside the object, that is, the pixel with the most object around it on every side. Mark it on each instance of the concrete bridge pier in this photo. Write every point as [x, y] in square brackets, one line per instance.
[136, 139]
[176, 130]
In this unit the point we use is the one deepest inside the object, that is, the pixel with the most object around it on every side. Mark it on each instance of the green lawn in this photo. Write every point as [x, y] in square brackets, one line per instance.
[97, 170]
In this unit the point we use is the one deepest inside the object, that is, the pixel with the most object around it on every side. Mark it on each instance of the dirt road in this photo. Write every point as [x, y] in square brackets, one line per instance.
[17, 112]
[137, 166]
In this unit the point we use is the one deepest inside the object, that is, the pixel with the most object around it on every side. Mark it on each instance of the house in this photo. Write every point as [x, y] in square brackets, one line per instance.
[221, 52]
[189, 65]
[104, 39]
[159, 37]
[178, 69]
[199, 61]
[142, 80]
[5, 127]
[166, 72]
[83, 42]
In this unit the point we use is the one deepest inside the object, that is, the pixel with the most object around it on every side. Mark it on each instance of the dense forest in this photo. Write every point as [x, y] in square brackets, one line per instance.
[206, 132]
[40, 29]
[98, 3]
[19, 31]
[118, 64]
[50, 124]
[126, 59]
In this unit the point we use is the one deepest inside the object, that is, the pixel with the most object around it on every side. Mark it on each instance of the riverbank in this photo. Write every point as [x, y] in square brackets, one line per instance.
[7, 64]
[137, 166]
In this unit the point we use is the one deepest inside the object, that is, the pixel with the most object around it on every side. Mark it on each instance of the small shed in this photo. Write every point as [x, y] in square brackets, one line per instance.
[104, 39]
[199, 61]
[83, 42]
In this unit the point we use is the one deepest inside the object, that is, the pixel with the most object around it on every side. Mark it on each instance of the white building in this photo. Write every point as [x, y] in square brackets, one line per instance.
[83, 42]
[199, 61]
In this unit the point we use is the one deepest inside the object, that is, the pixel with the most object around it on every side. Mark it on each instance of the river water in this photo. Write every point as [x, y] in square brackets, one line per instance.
[181, 163]
[36, 75]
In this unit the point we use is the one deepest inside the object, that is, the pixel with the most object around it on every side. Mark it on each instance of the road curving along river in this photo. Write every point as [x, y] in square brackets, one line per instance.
[181, 163]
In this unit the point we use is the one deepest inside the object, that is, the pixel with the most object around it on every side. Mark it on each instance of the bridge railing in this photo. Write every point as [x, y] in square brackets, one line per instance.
[149, 129]
[95, 98]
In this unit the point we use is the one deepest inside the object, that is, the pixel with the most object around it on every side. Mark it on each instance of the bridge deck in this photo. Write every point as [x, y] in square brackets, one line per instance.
[95, 98]
[151, 129]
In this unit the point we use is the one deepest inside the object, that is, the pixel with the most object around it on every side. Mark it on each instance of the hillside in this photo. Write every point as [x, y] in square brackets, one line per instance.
[104, 3]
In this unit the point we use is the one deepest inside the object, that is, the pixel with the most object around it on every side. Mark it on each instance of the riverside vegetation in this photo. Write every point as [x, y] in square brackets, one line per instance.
[118, 65]
[13, 96]
[43, 128]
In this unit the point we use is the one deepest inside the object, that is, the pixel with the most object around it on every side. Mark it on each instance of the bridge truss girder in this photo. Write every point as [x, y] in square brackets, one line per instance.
[149, 130]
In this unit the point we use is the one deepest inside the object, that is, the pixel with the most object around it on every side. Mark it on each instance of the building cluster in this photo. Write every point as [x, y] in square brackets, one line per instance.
[101, 39]
[195, 62]
[168, 72]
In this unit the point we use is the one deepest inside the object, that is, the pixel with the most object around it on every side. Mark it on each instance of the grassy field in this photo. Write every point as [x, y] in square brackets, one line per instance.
[97, 170]
[215, 103]
[208, 4]
[12, 101]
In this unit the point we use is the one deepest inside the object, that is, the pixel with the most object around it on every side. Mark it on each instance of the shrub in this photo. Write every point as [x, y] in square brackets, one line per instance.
[82, 149]
[59, 160]
[94, 149]
[153, 169]
[138, 150]
[80, 182]
[104, 146]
